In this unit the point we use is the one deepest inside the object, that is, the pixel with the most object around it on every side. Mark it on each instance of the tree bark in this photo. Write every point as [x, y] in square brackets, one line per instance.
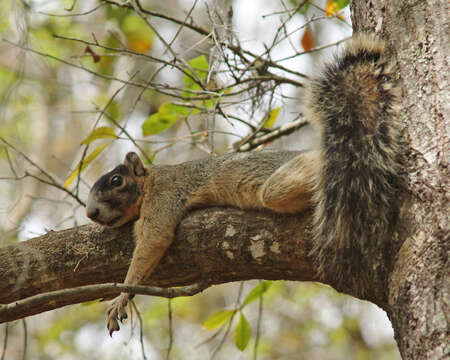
[418, 288]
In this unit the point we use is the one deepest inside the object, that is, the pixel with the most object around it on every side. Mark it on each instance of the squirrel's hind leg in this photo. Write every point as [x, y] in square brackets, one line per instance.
[289, 189]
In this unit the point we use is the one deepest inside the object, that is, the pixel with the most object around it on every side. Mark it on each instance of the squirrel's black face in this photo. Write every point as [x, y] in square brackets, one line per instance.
[114, 199]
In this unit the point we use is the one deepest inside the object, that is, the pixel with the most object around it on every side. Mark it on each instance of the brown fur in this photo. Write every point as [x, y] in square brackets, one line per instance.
[358, 185]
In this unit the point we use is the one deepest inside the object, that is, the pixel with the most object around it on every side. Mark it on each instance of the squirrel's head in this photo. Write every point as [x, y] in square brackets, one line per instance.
[116, 197]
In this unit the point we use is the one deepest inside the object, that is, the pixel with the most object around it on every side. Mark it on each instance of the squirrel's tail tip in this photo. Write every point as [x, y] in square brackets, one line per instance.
[365, 43]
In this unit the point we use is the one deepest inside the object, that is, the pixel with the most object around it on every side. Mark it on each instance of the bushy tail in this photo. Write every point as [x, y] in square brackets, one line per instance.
[353, 104]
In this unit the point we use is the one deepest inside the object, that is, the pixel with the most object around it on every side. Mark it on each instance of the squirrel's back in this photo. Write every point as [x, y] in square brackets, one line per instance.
[353, 104]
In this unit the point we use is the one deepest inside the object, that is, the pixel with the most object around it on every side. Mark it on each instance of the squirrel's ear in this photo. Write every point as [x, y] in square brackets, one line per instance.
[134, 163]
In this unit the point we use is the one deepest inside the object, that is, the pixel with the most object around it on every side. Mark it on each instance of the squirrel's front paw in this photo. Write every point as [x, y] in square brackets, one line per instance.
[116, 311]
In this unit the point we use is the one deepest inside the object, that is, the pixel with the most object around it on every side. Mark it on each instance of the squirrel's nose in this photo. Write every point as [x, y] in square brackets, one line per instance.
[92, 213]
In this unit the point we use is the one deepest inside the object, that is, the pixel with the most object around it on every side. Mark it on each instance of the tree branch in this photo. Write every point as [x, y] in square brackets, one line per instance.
[46, 301]
[212, 246]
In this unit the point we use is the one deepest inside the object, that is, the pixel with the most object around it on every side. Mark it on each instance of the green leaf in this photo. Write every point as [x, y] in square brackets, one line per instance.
[242, 333]
[217, 319]
[208, 104]
[88, 159]
[112, 108]
[91, 302]
[257, 291]
[167, 115]
[41, 40]
[100, 133]
[273, 115]
[200, 66]
[334, 6]
[341, 4]
[7, 76]
[200, 69]
[180, 109]
[106, 65]
[304, 9]
[150, 159]
[157, 123]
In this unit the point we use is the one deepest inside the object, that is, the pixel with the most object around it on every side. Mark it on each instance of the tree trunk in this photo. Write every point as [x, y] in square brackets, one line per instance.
[418, 303]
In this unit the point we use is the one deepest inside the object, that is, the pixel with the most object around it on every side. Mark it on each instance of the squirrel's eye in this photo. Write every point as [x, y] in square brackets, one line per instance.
[116, 180]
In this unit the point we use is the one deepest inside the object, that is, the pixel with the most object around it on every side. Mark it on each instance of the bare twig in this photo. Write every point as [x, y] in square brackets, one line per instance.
[313, 50]
[188, 15]
[71, 6]
[166, 44]
[211, 338]
[129, 137]
[196, 94]
[11, 165]
[52, 181]
[335, 15]
[25, 338]
[276, 40]
[234, 48]
[258, 326]
[141, 328]
[127, 51]
[110, 288]
[5, 341]
[169, 315]
[286, 129]
[127, 5]
[99, 117]
[101, 4]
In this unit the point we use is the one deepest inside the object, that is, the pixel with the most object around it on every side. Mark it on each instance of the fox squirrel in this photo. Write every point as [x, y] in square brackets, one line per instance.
[352, 180]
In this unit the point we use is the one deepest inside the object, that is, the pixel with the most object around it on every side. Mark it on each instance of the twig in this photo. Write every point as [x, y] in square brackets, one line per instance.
[72, 6]
[285, 11]
[199, 95]
[227, 331]
[126, 51]
[276, 40]
[127, 134]
[5, 341]
[139, 11]
[258, 326]
[74, 15]
[283, 130]
[141, 328]
[11, 165]
[25, 339]
[109, 288]
[317, 48]
[197, 29]
[169, 314]
[99, 117]
[176, 92]
[334, 16]
[53, 182]
[235, 49]
[188, 15]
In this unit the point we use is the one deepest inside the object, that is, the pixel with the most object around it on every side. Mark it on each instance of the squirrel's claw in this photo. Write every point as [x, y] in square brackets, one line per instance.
[122, 314]
[116, 311]
[113, 325]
